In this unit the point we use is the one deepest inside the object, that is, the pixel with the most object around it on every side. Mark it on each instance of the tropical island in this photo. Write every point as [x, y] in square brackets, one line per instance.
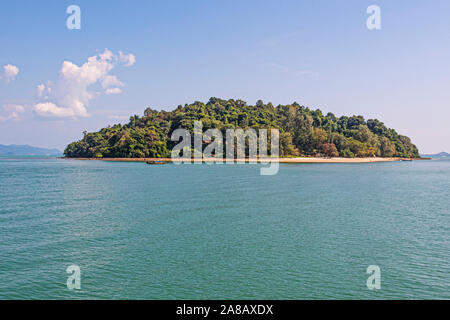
[303, 133]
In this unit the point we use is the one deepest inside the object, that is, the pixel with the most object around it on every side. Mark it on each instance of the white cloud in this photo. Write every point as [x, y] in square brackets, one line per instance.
[41, 90]
[127, 59]
[11, 112]
[48, 108]
[9, 72]
[113, 91]
[111, 81]
[70, 96]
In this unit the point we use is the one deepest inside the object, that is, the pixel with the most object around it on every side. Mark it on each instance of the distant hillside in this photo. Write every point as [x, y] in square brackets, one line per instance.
[437, 155]
[26, 150]
[303, 131]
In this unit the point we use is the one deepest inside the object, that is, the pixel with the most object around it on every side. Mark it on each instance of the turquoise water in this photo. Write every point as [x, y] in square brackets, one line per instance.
[223, 231]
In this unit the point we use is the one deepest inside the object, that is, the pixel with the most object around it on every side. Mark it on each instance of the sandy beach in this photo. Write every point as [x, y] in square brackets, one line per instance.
[265, 160]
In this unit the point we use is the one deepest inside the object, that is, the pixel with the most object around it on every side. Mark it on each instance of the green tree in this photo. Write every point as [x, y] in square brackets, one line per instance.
[302, 131]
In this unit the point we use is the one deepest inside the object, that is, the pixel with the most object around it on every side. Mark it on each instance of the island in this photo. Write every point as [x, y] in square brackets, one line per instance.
[306, 135]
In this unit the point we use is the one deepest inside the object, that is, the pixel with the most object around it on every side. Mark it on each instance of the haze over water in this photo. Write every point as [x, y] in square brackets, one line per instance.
[223, 231]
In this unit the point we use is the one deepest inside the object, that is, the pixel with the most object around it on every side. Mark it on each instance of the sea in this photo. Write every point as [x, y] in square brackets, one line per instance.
[72, 229]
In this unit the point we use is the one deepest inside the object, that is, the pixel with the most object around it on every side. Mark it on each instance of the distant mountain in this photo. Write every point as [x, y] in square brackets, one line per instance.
[437, 155]
[26, 150]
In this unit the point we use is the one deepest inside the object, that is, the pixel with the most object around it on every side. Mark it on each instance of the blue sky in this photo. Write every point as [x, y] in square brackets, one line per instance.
[318, 53]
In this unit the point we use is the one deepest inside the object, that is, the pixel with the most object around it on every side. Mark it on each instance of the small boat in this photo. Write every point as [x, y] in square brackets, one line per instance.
[155, 162]
[405, 159]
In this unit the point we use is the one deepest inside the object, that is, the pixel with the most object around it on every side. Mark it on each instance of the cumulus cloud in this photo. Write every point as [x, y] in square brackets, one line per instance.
[9, 72]
[40, 90]
[11, 112]
[127, 59]
[49, 108]
[113, 91]
[70, 95]
[111, 81]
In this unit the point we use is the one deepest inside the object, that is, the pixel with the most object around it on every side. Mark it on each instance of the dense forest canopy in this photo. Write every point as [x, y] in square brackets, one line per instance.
[303, 132]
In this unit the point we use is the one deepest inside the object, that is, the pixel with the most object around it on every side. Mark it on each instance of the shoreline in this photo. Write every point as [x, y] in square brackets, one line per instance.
[265, 160]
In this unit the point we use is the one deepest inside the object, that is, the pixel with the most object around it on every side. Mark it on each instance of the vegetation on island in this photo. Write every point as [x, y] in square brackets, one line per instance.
[303, 132]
